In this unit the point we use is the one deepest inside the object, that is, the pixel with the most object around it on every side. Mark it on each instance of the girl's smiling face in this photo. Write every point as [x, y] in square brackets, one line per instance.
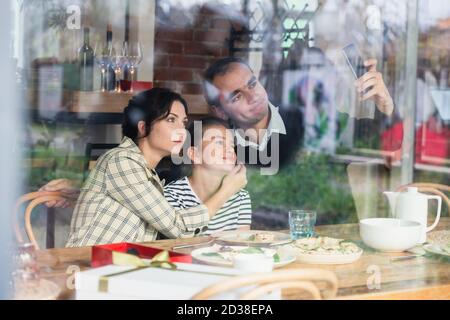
[217, 149]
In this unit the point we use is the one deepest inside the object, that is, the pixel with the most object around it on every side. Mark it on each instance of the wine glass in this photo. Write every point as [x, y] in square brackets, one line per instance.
[119, 59]
[103, 60]
[134, 54]
[25, 276]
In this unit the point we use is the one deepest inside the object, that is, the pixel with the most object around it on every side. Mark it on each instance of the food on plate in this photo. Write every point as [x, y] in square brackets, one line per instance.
[439, 242]
[253, 237]
[261, 237]
[323, 250]
[226, 252]
[440, 248]
[440, 239]
[326, 245]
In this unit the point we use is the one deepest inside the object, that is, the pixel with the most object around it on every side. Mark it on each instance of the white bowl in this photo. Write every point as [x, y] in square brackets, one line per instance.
[390, 235]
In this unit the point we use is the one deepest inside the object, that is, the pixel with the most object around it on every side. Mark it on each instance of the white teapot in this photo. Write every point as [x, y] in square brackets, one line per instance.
[413, 205]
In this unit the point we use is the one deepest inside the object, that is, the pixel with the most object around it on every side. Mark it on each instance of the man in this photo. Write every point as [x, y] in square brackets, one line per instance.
[235, 94]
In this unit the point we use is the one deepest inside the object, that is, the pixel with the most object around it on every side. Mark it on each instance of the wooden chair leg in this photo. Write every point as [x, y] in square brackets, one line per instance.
[50, 236]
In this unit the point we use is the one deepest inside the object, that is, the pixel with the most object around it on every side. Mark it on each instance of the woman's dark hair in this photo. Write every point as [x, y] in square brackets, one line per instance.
[148, 106]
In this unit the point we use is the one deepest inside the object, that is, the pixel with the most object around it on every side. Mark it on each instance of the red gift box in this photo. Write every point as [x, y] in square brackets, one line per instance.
[102, 254]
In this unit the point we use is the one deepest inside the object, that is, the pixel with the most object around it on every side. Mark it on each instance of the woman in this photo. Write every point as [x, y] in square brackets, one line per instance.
[123, 200]
[213, 157]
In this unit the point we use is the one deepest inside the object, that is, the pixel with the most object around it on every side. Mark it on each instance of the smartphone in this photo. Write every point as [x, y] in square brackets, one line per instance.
[354, 60]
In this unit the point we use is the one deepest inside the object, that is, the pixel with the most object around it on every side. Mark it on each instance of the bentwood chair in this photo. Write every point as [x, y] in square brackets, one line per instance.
[92, 153]
[433, 188]
[305, 281]
[34, 199]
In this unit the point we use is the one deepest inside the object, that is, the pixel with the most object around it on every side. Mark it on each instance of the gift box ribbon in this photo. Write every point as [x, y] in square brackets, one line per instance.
[161, 260]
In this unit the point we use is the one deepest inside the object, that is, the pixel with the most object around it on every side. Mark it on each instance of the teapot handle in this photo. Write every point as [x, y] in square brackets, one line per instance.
[438, 214]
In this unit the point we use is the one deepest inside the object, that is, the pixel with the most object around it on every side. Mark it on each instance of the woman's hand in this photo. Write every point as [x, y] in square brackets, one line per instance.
[378, 92]
[235, 180]
[67, 188]
[231, 184]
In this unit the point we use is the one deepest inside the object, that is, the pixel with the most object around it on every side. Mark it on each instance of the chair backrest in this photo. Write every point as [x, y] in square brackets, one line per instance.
[93, 152]
[437, 186]
[434, 188]
[260, 284]
[35, 198]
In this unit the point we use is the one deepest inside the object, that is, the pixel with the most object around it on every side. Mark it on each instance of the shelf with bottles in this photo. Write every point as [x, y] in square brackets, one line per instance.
[98, 78]
[97, 101]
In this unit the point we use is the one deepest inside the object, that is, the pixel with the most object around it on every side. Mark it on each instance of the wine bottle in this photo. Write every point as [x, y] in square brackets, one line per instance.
[126, 39]
[110, 75]
[86, 63]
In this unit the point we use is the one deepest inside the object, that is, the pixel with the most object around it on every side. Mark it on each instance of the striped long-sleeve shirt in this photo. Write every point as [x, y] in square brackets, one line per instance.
[235, 213]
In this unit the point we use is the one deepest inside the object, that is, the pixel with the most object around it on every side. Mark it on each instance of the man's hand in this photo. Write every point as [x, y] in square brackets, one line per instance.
[378, 92]
[67, 188]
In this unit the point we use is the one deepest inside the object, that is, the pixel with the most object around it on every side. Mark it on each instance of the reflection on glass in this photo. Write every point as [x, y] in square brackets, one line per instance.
[26, 271]
[347, 155]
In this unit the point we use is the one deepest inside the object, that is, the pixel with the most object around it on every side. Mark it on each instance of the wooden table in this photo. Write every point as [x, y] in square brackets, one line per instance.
[425, 277]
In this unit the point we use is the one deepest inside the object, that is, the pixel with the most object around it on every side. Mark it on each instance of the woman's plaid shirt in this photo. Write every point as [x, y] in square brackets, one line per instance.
[123, 200]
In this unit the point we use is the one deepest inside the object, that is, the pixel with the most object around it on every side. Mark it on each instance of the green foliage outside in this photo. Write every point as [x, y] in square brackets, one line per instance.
[47, 160]
[314, 182]
[56, 166]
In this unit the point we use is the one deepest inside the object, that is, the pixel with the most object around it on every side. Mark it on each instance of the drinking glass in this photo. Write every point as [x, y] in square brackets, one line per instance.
[301, 223]
[103, 60]
[118, 60]
[26, 271]
[27, 283]
[134, 56]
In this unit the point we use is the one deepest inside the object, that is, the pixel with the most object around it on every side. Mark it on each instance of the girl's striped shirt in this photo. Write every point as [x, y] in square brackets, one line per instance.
[235, 213]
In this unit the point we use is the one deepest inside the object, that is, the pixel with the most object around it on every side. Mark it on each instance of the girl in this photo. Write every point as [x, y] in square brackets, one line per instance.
[213, 157]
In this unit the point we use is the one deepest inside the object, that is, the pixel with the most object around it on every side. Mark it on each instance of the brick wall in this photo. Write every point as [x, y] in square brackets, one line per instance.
[186, 43]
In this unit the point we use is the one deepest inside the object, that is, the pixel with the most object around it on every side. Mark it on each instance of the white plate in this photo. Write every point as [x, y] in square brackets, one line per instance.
[440, 237]
[242, 237]
[322, 258]
[435, 249]
[198, 255]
